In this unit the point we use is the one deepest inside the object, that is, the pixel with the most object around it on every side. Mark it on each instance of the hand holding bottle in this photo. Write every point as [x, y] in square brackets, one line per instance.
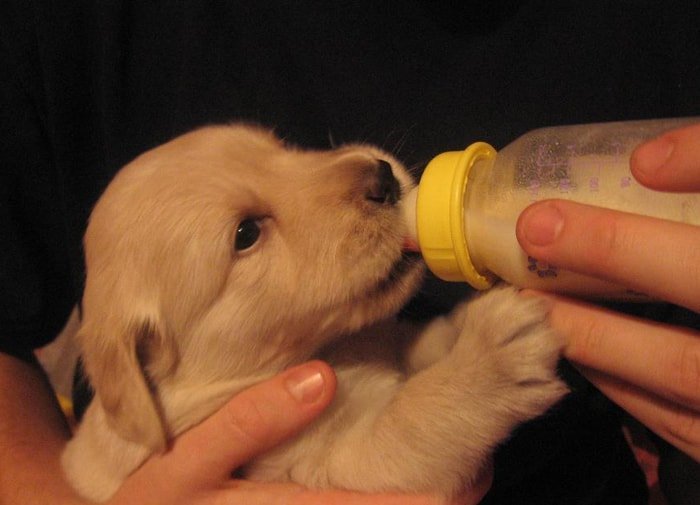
[651, 370]
[463, 214]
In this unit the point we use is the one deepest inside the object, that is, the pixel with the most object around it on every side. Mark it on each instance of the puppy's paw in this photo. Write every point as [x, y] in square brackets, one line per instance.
[506, 337]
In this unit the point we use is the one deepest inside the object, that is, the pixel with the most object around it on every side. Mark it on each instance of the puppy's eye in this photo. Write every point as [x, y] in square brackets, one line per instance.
[247, 234]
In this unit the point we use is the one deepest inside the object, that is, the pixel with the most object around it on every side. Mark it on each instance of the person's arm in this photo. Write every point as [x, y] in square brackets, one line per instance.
[33, 432]
[651, 370]
[198, 467]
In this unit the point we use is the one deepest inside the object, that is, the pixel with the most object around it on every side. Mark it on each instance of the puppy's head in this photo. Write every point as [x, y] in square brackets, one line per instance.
[225, 251]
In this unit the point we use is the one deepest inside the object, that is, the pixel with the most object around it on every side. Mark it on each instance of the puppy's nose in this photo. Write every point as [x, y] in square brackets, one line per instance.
[384, 188]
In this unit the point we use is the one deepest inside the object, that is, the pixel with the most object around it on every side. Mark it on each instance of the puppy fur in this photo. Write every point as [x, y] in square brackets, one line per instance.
[181, 311]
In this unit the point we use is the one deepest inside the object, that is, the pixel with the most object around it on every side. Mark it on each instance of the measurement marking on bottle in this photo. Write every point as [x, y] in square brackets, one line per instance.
[542, 270]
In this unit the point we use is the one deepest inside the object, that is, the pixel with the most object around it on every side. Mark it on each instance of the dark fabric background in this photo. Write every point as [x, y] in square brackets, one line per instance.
[86, 86]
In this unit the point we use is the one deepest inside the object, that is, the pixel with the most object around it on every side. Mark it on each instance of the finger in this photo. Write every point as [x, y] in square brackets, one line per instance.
[351, 498]
[670, 162]
[674, 423]
[659, 358]
[293, 494]
[471, 496]
[653, 256]
[253, 422]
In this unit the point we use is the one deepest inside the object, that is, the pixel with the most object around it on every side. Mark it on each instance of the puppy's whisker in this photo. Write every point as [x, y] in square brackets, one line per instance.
[403, 139]
[416, 169]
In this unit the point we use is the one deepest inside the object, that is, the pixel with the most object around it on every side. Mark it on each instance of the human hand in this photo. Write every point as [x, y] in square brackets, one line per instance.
[198, 467]
[651, 370]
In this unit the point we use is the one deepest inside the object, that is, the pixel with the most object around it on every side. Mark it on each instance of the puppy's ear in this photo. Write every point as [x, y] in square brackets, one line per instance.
[117, 359]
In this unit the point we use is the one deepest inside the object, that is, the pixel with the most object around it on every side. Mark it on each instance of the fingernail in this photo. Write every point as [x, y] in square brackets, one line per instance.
[542, 224]
[305, 384]
[652, 155]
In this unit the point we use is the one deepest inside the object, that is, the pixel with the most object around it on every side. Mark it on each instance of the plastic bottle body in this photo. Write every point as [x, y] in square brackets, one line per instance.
[583, 163]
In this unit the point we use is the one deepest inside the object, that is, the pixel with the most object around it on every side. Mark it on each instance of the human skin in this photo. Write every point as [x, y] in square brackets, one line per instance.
[197, 468]
[649, 369]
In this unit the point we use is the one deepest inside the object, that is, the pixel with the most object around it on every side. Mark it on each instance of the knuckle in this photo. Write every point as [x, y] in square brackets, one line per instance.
[246, 423]
[689, 263]
[683, 425]
[589, 342]
[684, 428]
[608, 242]
[687, 371]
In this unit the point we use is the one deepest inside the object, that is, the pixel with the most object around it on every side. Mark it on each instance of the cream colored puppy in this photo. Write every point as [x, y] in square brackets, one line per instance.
[225, 256]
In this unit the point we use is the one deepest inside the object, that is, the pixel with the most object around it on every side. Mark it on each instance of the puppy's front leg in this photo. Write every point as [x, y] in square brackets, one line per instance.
[431, 344]
[435, 430]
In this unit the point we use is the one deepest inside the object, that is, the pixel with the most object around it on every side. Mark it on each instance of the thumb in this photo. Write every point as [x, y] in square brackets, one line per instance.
[670, 162]
[253, 422]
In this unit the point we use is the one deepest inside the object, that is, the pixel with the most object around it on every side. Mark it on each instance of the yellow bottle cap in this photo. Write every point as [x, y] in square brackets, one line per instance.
[440, 215]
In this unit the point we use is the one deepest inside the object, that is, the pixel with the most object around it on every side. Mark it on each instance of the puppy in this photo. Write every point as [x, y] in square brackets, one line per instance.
[225, 256]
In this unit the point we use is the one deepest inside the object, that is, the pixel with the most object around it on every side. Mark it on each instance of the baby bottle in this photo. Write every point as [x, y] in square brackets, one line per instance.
[463, 213]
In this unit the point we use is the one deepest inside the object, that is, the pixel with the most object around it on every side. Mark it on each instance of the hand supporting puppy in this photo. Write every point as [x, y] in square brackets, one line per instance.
[198, 467]
[652, 371]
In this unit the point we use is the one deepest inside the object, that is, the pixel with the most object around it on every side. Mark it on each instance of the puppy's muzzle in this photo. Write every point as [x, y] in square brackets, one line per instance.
[383, 187]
